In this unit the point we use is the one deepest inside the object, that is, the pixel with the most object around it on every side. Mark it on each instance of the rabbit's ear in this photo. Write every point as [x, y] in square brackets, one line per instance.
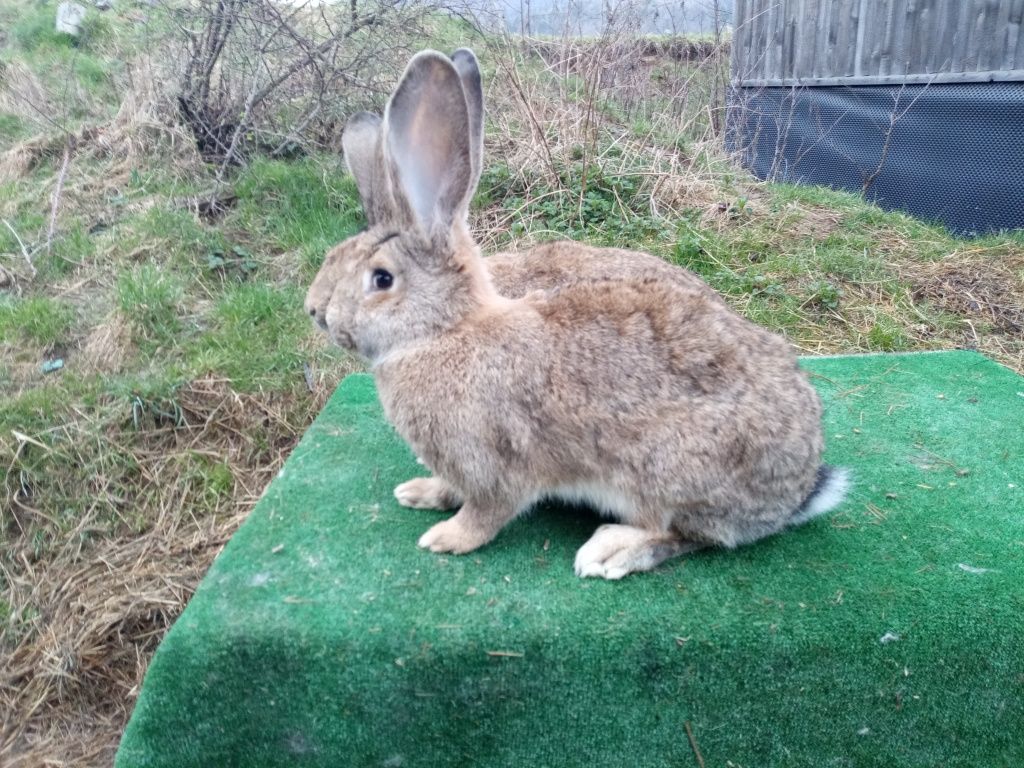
[468, 68]
[361, 142]
[427, 146]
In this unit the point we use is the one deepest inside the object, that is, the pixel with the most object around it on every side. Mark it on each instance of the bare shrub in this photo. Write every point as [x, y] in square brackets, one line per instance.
[280, 79]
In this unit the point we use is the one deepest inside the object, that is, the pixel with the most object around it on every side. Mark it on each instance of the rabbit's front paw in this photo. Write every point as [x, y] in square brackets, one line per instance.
[455, 536]
[426, 493]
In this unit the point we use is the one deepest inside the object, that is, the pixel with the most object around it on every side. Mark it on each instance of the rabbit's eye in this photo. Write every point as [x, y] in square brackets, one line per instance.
[381, 279]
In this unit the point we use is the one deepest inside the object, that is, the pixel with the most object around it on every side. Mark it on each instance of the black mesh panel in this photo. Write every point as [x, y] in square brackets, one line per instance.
[955, 153]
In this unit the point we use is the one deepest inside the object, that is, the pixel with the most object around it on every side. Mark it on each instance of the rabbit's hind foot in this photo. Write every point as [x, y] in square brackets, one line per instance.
[617, 550]
[427, 493]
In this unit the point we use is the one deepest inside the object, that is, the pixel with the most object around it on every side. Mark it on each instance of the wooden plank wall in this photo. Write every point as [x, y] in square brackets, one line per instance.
[808, 39]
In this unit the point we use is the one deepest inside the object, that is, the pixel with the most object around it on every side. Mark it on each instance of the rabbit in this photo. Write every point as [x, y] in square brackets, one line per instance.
[633, 389]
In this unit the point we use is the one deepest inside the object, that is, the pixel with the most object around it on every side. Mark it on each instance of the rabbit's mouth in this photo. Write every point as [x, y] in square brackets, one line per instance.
[342, 338]
[319, 319]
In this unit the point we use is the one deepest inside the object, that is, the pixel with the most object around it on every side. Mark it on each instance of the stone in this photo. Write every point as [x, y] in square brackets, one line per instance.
[70, 17]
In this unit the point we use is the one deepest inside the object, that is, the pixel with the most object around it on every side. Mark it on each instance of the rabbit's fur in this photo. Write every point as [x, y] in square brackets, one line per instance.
[624, 383]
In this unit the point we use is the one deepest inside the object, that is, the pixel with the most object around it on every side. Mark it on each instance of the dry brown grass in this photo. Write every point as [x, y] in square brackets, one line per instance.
[107, 346]
[23, 94]
[559, 111]
[988, 292]
[983, 287]
[144, 127]
[108, 583]
[72, 683]
[20, 159]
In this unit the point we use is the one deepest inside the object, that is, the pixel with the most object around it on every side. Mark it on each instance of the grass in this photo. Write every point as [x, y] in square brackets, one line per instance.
[824, 267]
[38, 320]
[35, 29]
[150, 299]
[306, 207]
[12, 128]
[190, 369]
[254, 338]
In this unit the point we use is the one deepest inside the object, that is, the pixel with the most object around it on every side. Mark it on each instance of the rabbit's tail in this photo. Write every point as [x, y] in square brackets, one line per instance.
[829, 491]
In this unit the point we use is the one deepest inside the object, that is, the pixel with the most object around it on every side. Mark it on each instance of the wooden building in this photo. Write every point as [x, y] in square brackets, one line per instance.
[932, 91]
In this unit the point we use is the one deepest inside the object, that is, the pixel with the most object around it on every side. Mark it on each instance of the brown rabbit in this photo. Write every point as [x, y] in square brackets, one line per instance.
[632, 388]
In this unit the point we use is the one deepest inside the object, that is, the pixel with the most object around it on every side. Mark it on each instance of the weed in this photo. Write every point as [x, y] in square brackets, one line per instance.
[235, 263]
[886, 335]
[824, 294]
[688, 249]
[155, 412]
[763, 285]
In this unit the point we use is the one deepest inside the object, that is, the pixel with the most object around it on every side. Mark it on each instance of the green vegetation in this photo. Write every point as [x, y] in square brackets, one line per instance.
[150, 299]
[40, 320]
[11, 128]
[586, 205]
[822, 266]
[255, 337]
[307, 205]
[34, 28]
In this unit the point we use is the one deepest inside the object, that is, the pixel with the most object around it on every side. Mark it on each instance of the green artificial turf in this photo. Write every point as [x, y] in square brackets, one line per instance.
[888, 633]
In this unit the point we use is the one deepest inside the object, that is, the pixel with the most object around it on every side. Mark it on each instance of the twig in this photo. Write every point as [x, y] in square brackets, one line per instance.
[24, 250]
[693, 744]
[55, 200]
[366, 21]
[894, 118]
[240, 128]
[513, 76]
